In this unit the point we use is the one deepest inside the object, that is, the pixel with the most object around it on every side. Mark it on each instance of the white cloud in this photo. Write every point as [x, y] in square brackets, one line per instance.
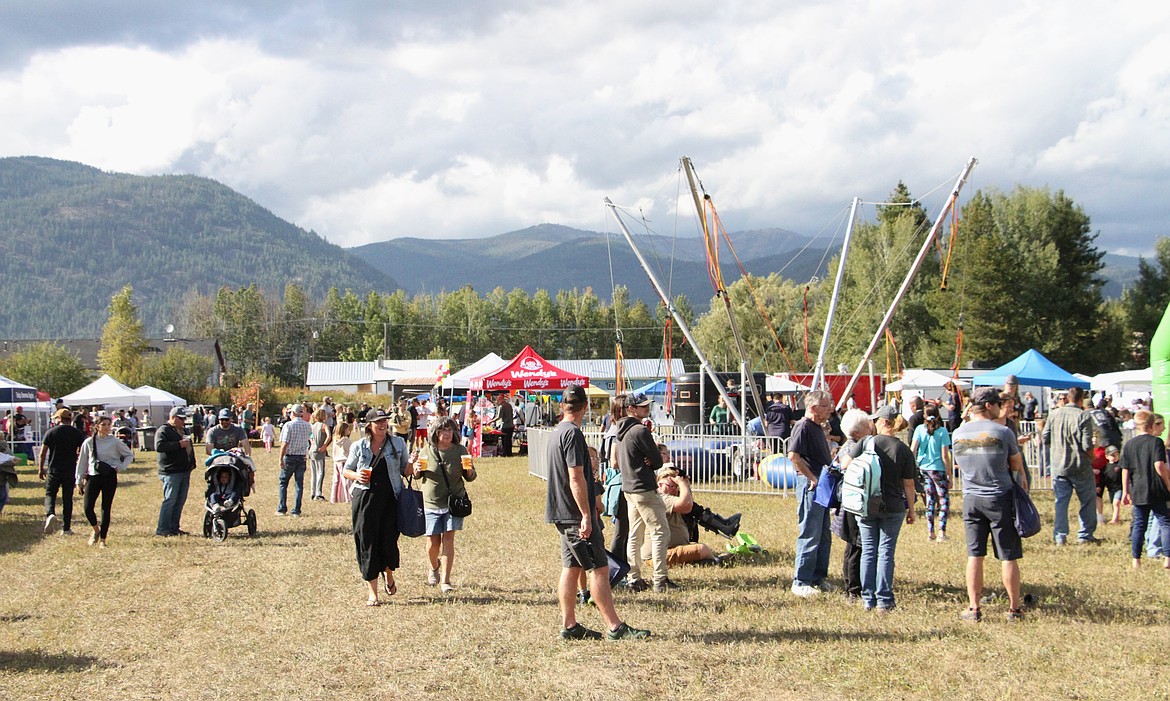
[387, 121]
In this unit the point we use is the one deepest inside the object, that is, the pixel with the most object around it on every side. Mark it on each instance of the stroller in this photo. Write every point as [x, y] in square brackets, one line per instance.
[224, 504]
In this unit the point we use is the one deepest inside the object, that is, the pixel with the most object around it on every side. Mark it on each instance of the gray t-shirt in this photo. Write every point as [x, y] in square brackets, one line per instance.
[982, 450]
[566, 448]
[220, 438]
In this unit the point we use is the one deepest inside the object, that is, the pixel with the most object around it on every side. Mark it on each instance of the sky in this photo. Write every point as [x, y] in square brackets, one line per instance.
[373, 119]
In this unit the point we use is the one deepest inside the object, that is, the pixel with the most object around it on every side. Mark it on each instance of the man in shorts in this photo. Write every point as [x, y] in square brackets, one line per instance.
[569, 507]
[987, 454]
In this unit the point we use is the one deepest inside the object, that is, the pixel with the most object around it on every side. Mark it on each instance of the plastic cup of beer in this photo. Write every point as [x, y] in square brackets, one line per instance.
[466, 462]
[422, 461]
[366, 473]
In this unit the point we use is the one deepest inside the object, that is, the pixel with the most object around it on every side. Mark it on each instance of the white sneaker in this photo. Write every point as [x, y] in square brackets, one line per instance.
[804, 591]
[50, 523]
[433, 577]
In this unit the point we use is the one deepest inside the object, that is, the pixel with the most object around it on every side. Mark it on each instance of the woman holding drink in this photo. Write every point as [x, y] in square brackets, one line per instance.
[443, 466]
[376, 465]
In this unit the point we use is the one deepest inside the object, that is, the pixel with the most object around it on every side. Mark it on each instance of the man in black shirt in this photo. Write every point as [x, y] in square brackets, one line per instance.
[569, 507]
[808, 450]
[61, 444]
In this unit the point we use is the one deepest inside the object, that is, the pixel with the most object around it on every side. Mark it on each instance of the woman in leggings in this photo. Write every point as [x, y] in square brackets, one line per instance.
[99, 461]
[931, 445]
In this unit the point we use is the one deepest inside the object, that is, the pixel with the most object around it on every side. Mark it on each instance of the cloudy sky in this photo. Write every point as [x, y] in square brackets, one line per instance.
[372, 119]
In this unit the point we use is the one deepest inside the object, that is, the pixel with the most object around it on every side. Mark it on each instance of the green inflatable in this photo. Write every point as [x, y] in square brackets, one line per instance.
[1160, 366]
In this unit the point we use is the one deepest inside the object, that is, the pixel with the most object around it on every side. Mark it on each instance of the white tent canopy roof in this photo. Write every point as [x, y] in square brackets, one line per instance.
[107, 391]
[782, 384]
[484, 366]
[161, 397]
[923, 379]
[1124, 381]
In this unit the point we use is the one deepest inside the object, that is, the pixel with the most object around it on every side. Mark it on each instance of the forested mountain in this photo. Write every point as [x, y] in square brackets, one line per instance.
[71, 236]
[554, 257]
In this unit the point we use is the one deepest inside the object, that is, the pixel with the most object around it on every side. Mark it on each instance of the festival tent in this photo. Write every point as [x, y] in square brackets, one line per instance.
[485, 365]
[656, 388]
[1124, 381]
[106, 391]
[161, 402]
[1032, 368]
[527, 371]
[13, 392]
[781, 384]
[923, 379]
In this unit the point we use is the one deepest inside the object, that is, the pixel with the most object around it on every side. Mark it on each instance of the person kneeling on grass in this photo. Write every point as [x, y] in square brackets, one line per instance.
[568, 506]
[675, 491]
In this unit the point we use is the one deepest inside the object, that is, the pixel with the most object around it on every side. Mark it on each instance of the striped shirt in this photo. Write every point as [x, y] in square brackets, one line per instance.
[296, 434]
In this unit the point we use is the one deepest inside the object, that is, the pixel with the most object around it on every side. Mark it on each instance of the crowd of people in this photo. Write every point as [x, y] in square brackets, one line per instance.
[376, 454]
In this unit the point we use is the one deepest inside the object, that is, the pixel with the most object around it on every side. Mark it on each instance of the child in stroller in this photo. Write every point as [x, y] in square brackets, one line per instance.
[229, 480]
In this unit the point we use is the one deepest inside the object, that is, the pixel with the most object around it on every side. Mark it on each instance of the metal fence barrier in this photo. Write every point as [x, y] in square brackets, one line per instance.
[727, 463]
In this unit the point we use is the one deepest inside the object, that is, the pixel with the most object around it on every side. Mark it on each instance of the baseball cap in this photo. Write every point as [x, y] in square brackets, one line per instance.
[889, 412]
[178, 411]
[295, 409]
[637, 399]
[1011, 380]
[63, 415]
[225, 414]
[1111, 450]
[985, 395]
[573, 394]
[376, 415]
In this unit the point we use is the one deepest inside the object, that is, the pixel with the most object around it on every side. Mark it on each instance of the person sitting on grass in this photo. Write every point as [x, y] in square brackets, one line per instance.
[567, 506]
[700, 515]
[675, 491]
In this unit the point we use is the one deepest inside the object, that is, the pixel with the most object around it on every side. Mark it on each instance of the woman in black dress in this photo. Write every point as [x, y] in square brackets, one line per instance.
[376, 465]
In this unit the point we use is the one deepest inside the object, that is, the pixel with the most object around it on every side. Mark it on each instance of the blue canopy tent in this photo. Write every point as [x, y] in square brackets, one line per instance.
[1032, 368]
[655, 388]
[12, 392]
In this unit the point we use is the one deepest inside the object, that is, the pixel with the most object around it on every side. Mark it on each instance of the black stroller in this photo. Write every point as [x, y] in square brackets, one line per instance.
[224, 502]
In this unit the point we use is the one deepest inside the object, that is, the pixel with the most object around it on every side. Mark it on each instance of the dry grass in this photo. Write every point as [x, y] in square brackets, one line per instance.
[281, 616]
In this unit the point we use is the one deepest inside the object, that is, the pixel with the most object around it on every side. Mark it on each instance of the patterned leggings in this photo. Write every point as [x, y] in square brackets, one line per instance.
[938, 498]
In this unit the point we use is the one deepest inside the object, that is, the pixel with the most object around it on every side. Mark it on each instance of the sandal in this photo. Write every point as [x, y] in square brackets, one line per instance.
[388, 584]
[373, 602]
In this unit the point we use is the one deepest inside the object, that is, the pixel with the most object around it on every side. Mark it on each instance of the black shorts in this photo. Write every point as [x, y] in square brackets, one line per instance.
[994, 516]
[587, 554]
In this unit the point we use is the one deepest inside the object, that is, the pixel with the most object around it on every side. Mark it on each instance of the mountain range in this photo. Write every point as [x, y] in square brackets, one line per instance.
[72, 235]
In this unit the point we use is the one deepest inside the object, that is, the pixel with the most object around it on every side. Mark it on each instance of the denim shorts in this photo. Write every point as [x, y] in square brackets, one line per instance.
[440, 523]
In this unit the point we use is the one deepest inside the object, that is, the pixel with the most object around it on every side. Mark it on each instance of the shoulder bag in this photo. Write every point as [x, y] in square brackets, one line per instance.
[1027, 519]
[459, 506]
[100, 467]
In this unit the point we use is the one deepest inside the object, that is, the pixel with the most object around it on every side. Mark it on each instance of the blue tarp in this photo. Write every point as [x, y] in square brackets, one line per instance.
[656, 388]
[1032, 368]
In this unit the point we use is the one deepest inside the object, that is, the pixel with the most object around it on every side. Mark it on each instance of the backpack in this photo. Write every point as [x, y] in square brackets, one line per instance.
[612, 478]
[861, 488]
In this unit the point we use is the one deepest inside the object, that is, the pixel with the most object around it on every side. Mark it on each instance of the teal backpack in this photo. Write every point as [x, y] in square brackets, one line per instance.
[861, 488]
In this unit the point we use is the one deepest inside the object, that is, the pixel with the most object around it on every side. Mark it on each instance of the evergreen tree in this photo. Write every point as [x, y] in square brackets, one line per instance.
[1145, 302]
[123, 341]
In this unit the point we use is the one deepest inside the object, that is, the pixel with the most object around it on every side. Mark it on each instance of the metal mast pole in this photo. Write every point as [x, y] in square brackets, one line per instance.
[744, 369]
[938, 222]
[704, 365]
[819, 372]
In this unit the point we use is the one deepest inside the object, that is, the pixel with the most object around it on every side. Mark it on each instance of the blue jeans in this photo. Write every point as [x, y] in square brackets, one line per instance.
[292, 466]
[1148, 517]
[1154, 543]
[1086, 489]
[879, 538]
[813, 537]
[174, 498]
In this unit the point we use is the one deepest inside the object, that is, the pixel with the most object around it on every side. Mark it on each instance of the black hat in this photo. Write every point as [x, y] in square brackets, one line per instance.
[984, 396]
[376, 415]
[573, 394]
[637, 399]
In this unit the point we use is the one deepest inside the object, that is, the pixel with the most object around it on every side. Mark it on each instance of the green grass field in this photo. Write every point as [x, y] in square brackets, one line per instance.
[282, 616]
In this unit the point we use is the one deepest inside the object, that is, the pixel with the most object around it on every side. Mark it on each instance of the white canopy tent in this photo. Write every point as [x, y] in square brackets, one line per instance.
[161, 402]
[1124, 381]
[923, 380]
[484, 366]
[781, 384]
[108, 392]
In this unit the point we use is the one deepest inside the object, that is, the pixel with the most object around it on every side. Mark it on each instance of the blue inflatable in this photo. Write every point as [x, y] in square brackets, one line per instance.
[777, 471]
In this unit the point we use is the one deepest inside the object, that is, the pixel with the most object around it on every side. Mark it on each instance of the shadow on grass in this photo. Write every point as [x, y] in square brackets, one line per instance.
[15, 618]
[20, 531]
[61, 663]
[816, 635]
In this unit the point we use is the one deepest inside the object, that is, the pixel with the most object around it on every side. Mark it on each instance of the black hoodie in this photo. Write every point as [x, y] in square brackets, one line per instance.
[638, 456]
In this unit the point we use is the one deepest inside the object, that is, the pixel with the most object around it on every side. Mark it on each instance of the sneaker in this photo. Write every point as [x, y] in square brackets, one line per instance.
[885, 610]
[281, 513]
[638, 585]
[804, 591]
[181, 532]
[1089, 540]
[93, 538]
[67, 532]
[826, 586]
[433, 578]
[941, 538]
[1015, 615]
[624, 632]
[583, 597]
[102, 543]
[971, 615]
[50, 523]
[295, 514]
[580, 632]
[1060, 540]
[666, 585]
